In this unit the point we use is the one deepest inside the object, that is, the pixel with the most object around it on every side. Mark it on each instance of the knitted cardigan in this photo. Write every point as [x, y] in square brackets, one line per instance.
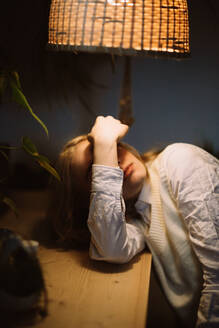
[174, 259]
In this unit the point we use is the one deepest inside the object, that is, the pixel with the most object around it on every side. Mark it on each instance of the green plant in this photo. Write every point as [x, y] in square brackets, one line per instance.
[11, 87]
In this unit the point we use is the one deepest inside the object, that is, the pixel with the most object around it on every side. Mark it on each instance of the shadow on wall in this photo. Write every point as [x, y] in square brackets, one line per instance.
[68, 91]
[63, 88]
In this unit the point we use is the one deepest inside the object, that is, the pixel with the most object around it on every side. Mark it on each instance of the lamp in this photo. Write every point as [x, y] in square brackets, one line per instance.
[121, 27]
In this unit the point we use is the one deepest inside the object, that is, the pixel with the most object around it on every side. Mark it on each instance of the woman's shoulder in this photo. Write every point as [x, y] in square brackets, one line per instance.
[182, 148]
[184, 158]
[185, 151]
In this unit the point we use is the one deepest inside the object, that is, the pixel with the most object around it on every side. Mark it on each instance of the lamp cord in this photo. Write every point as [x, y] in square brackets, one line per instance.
[125, 103]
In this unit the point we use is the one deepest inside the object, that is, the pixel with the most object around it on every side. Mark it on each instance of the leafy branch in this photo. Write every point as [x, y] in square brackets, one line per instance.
[43, 161]
[9, 80]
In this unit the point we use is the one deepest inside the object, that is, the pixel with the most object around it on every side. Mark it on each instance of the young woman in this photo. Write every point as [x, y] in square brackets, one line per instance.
[167, 201]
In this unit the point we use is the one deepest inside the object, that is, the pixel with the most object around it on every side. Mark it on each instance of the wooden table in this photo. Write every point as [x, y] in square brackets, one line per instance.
[84, 293]
[88, 294]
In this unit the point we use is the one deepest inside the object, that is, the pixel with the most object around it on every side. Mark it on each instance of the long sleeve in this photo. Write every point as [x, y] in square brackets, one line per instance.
[112, 238]
[194, 182]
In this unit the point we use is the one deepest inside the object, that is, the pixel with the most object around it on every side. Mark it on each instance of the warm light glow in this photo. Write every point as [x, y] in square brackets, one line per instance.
[120, 25]
[120, 2]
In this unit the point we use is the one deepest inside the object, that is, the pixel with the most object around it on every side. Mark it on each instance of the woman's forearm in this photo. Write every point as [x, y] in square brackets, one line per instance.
[105, 153]
[112, 238]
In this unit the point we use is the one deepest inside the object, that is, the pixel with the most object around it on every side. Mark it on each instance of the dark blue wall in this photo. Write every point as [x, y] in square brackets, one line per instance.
[173, 101]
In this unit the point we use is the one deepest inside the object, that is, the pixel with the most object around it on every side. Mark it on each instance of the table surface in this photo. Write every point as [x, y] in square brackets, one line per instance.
[83, 293]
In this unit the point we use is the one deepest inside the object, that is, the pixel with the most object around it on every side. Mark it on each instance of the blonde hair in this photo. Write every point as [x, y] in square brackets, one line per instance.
[68, 212]
[151, 154]
[71, 208]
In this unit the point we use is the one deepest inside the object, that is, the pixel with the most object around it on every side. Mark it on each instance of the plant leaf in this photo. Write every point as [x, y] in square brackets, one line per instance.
[29, 146]
[43, 158]
[4, 155]
[15, 75]
[49, 168]
[10, 203]
[43, 161]
[8, 147]
[20, 99]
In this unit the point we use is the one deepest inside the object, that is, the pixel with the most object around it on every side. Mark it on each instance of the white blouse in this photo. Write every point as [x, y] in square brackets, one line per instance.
[195, 188]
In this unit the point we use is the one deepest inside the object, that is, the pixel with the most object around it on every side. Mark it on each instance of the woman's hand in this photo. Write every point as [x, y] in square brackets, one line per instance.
[107, 130]
[105, 134]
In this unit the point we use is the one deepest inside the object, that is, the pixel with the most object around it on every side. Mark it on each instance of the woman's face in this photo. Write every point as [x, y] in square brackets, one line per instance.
[134, 173]
[134, 170]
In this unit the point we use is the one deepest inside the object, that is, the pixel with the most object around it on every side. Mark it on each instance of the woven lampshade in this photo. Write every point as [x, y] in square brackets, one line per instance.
[120, 26]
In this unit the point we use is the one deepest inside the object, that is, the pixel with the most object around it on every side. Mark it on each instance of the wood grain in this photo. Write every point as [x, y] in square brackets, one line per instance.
[86, 294]
[82, 293]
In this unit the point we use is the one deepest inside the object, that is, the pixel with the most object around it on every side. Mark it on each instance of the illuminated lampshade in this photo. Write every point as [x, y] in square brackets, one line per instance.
[120, 26]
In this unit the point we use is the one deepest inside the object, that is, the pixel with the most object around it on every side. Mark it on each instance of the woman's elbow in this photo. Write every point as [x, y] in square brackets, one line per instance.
[109, 255]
